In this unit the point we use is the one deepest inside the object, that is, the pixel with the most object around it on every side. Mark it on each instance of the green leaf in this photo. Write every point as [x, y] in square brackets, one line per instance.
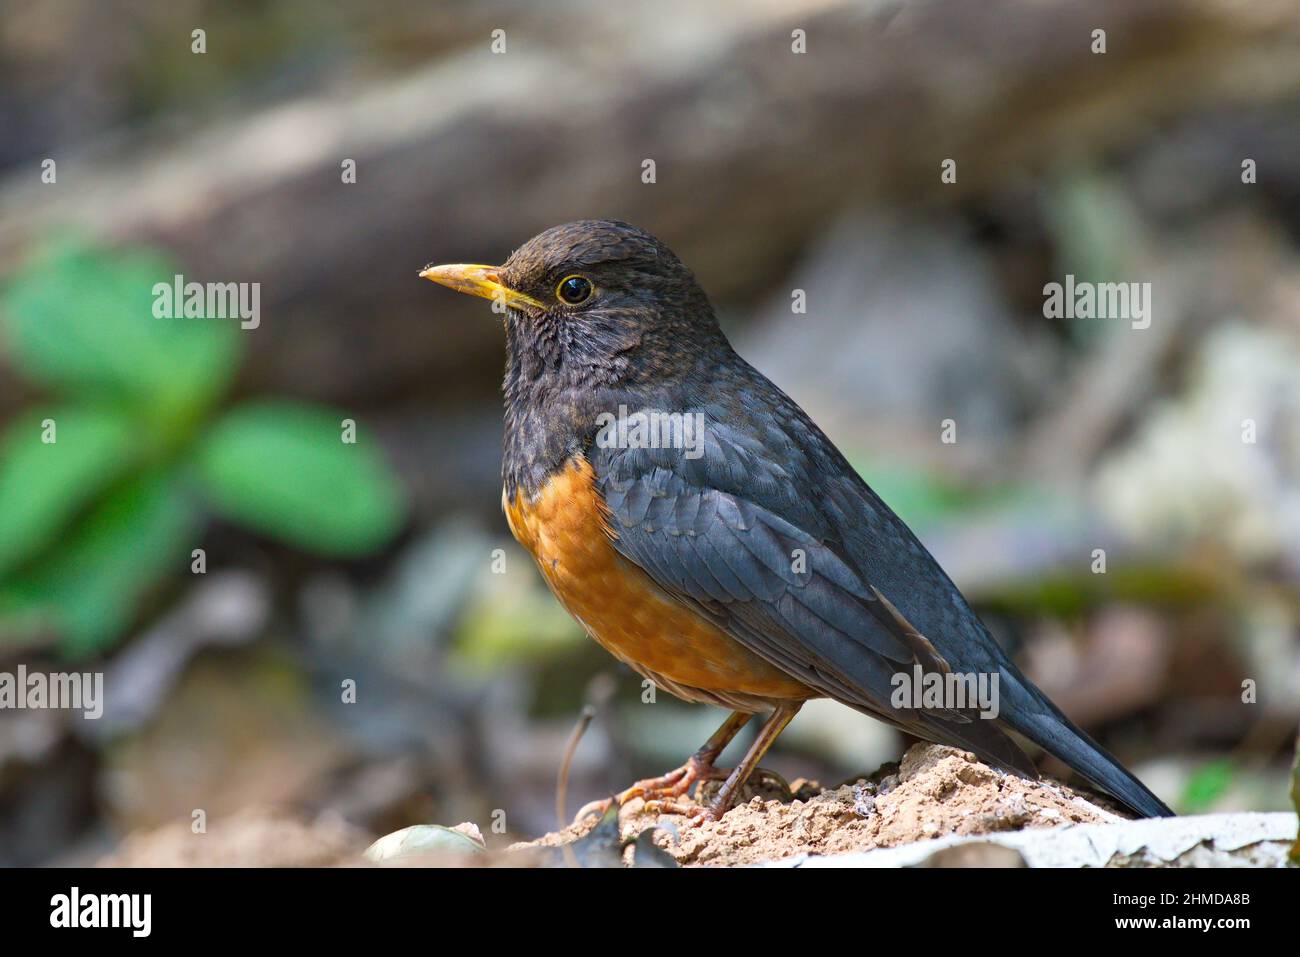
[81, 320]
[44, 484]
[87, 589]
[1207, 785]
[283, 468]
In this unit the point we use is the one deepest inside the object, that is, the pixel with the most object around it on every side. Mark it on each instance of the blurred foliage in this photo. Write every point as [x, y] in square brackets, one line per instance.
[923, 497]
[281, 467]
[1068, 595]
[1206, 786]
[104, 490]
[512, 619]
[1096, 232]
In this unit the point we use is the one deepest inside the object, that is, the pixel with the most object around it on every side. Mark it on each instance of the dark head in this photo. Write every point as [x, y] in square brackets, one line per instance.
[593, 303]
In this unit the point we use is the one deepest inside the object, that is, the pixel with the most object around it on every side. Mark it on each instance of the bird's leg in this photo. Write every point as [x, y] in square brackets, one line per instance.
[698, 767]
[727, 794]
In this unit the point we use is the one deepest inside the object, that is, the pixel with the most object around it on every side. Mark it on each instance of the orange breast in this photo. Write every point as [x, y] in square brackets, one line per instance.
[566, 528]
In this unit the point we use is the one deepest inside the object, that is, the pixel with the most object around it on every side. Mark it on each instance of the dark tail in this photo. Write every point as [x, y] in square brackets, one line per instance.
[1034, 716]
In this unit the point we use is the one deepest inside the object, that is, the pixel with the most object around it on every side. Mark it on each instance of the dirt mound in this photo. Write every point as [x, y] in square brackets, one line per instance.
[935, 791]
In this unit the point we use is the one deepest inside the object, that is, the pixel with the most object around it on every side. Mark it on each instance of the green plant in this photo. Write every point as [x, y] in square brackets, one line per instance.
[1207, 785]
[105, 481]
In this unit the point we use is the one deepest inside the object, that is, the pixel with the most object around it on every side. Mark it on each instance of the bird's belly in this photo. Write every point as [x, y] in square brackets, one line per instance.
[565, 528]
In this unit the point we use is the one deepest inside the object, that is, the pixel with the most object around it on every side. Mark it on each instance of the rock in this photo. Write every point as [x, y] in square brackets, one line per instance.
[1210, 840]
[426, 839]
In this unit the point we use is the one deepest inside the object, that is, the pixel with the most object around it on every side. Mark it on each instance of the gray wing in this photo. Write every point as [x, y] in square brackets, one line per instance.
[750, 534]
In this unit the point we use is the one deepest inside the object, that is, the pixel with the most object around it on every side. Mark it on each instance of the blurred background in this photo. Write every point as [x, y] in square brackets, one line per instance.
[1170, 158]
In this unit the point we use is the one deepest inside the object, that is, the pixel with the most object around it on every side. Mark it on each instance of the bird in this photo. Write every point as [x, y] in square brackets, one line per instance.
[736, 559]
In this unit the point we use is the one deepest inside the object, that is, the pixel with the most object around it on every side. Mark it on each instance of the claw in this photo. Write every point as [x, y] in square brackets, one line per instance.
[666, 806]
[597, 808]
[661, 792]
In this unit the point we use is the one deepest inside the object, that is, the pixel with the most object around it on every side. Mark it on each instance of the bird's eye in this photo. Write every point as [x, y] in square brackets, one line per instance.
[574, 290]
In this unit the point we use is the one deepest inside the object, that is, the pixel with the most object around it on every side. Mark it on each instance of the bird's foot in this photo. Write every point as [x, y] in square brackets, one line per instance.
[662, 791]
[696, 814]
[710, 809]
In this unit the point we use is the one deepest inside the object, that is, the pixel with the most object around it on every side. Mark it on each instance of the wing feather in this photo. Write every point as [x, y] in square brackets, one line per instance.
[779, 577]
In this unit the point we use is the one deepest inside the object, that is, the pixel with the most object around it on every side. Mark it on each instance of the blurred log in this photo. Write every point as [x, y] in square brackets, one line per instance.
[755, 148]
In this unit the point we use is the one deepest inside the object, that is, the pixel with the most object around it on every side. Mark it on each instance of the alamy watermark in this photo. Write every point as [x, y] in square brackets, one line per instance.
[59, 691]
[133, 912]
[953, 690]
[179, 299]
[651, 430]
[1098, 300]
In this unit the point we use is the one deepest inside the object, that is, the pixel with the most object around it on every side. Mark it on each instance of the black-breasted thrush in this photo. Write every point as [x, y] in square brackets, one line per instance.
[749, 568]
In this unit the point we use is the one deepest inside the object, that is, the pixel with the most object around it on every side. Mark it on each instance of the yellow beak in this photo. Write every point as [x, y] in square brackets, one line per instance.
[484, 281]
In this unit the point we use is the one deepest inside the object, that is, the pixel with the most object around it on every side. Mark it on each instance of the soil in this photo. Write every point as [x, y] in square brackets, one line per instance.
[935, 791]
[255, 837]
